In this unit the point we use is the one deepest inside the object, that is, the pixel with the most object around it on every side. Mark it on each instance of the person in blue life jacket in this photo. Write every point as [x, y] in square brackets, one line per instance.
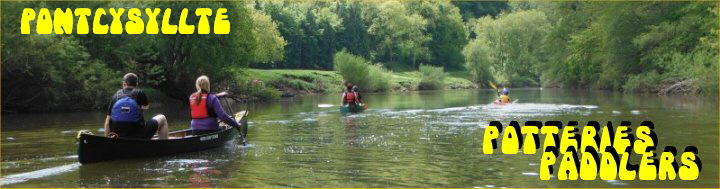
[206, 109]
[125, 113]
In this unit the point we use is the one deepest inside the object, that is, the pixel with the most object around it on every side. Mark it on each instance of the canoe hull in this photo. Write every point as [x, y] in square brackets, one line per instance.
[93, 148]
[497, 102]
[352, 108]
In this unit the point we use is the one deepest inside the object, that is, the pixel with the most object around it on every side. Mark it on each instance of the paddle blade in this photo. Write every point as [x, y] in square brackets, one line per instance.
[492, 84]
[325, 105]
[240, 115]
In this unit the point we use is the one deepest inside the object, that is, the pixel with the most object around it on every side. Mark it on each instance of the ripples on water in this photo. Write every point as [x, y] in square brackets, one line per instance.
[481, 115]
[292, 145]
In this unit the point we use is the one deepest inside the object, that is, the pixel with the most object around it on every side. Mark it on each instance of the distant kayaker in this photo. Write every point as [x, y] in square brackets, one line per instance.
[504, 97]
[205, 109]
[125, 113]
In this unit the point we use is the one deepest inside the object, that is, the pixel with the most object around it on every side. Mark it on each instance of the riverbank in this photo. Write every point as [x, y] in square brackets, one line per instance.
[309, 82]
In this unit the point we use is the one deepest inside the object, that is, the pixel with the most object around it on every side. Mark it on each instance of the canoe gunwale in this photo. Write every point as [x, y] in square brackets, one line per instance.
[158, 140]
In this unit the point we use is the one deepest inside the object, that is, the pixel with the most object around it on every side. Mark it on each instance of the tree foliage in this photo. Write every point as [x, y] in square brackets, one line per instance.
[653, 46]
[663, 47]
[513, 43]
[270, 44]
[447, 32]
[633, 46]
[400, 35]
[82, 71]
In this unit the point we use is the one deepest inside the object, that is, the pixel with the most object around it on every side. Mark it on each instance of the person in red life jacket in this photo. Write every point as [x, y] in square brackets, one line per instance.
[205, 109]
[125, 113]
[349, 97]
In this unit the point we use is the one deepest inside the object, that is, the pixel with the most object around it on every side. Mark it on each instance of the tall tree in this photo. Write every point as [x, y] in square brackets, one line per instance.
[310, 48]
[447, 30]
[400, 36]
[289, 28]
[329, 23]
[354, 36]
[270, 44]
[476, 9]
[515, 39]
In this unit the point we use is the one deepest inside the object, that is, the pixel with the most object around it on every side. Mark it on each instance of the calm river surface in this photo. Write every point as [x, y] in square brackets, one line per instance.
[412, 139]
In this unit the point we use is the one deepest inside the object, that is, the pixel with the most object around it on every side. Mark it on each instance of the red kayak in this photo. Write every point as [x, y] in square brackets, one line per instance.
[499, 103]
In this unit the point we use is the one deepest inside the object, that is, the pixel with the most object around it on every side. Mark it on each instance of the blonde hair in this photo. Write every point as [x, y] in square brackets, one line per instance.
[202, 84]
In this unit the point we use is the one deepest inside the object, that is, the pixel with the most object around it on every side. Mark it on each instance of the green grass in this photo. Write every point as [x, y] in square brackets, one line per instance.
[318, 81]
[314, 81]
[454, 80]
[404, 81]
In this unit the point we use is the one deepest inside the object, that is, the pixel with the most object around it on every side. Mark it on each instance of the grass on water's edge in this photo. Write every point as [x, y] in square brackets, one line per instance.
[305, 82]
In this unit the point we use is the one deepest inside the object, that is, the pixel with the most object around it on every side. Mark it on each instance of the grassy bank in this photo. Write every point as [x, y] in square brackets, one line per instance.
[304, 82]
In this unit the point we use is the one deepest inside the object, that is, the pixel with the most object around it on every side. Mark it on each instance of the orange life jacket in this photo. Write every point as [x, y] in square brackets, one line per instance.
[349, 97]
[199, 110]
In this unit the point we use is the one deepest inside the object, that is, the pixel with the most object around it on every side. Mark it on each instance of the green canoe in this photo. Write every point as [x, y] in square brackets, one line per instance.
[353, 108]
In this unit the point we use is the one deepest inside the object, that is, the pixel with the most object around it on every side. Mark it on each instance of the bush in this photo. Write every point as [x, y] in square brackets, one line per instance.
[54, 72]
[645, 83]
[684, 73]
[379, 79]
[431, 77]
[357, 70]
[689, 73]
[266, 94]
[257, 89]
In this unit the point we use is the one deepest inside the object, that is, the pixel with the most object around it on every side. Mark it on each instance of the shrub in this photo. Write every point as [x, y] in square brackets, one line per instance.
[684, 73]
[357, 70]
[431, 77]
[54, 72]
[267, 94]
[257, 89]
[378, 78]
[647, 82]
[690, 73]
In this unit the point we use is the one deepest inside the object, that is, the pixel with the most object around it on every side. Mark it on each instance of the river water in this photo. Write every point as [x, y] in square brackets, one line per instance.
[412, 139]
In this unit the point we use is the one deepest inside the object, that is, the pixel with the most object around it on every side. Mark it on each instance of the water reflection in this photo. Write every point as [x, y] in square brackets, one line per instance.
[412, 139]
[201, 169]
